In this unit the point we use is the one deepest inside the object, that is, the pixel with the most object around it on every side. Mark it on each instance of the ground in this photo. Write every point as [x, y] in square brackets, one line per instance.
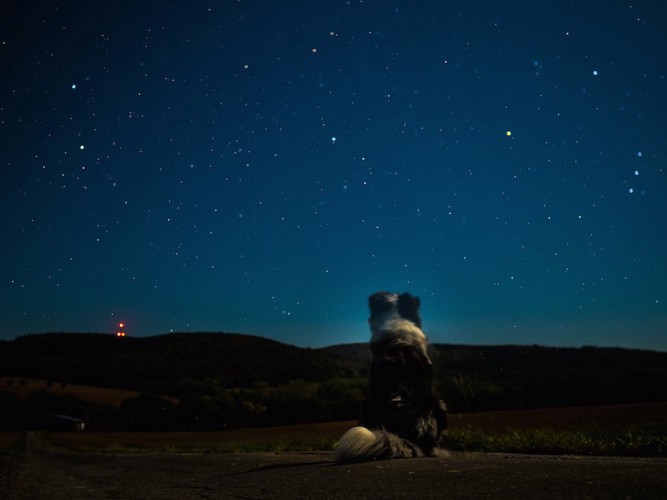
[43, 473]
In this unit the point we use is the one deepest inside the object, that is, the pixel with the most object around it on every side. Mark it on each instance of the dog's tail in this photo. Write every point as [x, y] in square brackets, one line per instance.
[360, 443]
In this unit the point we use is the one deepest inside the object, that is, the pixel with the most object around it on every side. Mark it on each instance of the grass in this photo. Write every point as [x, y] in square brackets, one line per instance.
[617, 430]
[620, 430]
[637, 442]
[644, 442]
[293, 438]
[273, 446]
[180, 445]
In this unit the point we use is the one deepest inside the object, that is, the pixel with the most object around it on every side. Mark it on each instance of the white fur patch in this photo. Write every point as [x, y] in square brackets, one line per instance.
[392, 329]
[356, 442]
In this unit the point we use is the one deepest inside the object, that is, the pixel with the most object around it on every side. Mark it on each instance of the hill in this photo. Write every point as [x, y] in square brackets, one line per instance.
[221, 380]
[478, 378]
[161, 364]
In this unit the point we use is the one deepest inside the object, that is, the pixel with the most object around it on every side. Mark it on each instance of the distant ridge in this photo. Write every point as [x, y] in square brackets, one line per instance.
[159, 363]
[469, 377]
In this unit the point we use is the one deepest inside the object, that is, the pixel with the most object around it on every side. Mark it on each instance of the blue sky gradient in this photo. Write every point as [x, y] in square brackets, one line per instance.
[262, 167]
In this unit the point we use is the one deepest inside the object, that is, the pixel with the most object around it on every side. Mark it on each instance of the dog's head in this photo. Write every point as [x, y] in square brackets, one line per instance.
[387, 305]
[395, 321]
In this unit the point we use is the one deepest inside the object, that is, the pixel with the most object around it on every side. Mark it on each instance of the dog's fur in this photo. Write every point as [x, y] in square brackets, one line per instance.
[402, 416]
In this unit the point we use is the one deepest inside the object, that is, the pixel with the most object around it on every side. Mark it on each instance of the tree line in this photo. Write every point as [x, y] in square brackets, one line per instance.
[207, 407]
[223, 381]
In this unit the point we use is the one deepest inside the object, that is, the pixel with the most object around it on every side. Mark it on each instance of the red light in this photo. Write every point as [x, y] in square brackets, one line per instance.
[121, 330]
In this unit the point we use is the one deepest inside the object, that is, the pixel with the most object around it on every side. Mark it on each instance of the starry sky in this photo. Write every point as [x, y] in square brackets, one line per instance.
[262, 167]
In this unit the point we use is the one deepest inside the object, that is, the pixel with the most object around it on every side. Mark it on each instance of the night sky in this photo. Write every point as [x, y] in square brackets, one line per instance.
[261, 167]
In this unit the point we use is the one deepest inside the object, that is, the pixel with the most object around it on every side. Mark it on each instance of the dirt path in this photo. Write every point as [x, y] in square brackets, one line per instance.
[51, 474]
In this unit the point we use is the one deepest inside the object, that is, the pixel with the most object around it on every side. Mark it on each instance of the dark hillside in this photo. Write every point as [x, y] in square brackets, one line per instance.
[163, 363]
[474, 378]
[274, 382]
[507, 377]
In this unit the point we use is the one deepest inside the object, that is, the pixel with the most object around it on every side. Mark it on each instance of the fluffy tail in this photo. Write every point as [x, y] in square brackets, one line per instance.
[360, 443]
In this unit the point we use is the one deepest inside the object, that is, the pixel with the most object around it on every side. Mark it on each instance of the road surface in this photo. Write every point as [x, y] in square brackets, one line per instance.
[51, 474]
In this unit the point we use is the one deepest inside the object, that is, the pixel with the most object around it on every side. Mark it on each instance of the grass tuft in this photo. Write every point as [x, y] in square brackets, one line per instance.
[646, 442]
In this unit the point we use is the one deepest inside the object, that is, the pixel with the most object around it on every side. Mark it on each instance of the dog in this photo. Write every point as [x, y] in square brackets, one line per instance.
[402, 416]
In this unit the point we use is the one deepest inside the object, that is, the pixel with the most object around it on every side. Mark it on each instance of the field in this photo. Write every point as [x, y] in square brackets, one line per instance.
[629, 430]
[24, 387]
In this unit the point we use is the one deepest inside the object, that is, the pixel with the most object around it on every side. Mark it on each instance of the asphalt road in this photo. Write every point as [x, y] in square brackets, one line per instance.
[44, 474]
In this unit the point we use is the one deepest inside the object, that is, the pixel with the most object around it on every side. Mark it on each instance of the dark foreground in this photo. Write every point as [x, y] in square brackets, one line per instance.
[43, 474]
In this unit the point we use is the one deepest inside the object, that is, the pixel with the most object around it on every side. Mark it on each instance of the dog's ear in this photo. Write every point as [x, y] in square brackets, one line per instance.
[379, 302]
[408, 308]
